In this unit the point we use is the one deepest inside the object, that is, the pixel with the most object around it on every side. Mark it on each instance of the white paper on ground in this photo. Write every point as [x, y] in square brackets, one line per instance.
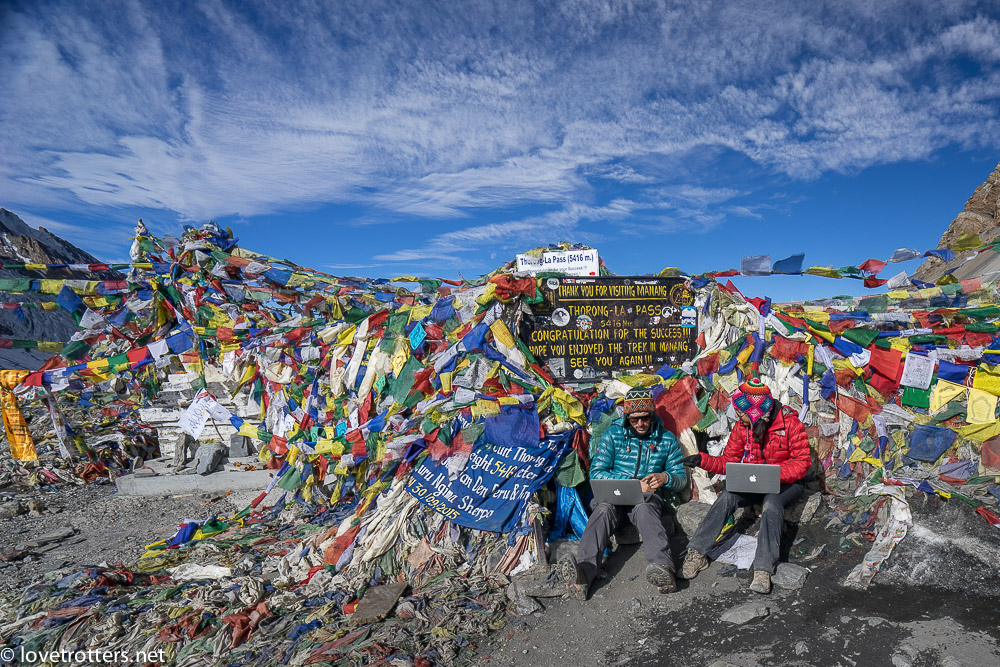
[741, 553]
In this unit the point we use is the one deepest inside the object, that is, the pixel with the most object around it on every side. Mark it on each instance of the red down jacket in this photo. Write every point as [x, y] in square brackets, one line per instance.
[786, 445]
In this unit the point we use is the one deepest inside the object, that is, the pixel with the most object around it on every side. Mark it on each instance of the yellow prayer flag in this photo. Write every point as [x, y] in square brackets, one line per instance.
[946, 279]
[420, 312]
[857, 455]
[502, 333]
[966, 241]
[944, 392]
[982, 407]
[346, 336]
[820, 316]
[22, 447]
[979, 432]
[331, 447]
[825, 271]
[987, 379]
[400, 356]
[248, 429]
[487, 294]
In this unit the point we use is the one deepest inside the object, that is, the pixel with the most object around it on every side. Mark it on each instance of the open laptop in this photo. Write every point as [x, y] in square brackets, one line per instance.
[618, 491]
[753, 478]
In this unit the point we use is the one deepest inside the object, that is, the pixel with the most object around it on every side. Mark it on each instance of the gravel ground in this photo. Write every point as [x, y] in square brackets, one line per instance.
[108, 528]
[937, 603]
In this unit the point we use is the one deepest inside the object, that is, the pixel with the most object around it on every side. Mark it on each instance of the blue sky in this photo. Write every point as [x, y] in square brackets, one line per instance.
[387, 138]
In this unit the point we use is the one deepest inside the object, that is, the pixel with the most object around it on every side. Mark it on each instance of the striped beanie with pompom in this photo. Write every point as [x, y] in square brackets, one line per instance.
[753, 399]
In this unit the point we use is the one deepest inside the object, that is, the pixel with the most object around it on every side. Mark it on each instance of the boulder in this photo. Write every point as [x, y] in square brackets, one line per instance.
[790, 576]
[240, 446]
[802, 510]
[208, 457]
[12, 508]
[744, 613]
[690, 516]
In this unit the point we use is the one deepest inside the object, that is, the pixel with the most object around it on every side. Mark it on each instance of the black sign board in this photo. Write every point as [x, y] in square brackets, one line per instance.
[589, 327]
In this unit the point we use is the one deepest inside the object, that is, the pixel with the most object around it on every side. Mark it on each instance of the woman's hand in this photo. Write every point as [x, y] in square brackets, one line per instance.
[692, 461]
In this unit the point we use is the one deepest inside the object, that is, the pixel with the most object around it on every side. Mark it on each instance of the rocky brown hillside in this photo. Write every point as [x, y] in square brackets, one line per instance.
[981, 215]
[21, 244]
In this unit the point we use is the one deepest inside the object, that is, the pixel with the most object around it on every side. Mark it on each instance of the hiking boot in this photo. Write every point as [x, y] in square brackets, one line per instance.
[693, 563]
[761, 582]
[661, 577]
[573, 577]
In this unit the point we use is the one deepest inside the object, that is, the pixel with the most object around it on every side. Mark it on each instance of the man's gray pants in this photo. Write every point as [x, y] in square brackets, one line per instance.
[772, 519]
[606, 519]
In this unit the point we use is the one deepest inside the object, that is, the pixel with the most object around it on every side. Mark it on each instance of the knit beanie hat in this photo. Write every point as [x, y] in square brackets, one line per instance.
[639, 399]
[753, 399]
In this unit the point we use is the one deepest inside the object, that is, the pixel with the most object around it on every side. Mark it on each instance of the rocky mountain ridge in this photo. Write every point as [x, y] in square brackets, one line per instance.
[22, 244]
[981, 216]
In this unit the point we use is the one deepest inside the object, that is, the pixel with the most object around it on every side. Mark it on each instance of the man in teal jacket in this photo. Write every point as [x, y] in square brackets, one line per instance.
[637, 446]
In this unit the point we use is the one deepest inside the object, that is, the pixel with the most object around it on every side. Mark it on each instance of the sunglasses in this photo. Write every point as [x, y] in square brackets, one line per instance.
[636, 420]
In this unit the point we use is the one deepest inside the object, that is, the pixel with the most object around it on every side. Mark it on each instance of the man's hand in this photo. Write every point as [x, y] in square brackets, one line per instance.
[692, 461]
[653, 481]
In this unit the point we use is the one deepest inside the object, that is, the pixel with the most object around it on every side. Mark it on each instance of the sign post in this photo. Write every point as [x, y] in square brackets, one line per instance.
[588, 328]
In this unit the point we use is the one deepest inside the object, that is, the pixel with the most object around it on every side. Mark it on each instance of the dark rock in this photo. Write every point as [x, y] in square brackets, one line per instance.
[208, 457]
[745, 613]
[690, 516]
[240, 446]
[790, 576]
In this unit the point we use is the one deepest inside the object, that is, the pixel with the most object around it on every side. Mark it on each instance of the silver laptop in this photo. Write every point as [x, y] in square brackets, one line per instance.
[753, 478]
[618, 491]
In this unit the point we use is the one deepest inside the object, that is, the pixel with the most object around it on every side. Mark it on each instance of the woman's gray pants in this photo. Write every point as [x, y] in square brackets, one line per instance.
[772, 519]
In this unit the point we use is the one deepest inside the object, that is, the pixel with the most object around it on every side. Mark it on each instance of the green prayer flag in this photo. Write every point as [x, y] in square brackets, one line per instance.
[863, 337]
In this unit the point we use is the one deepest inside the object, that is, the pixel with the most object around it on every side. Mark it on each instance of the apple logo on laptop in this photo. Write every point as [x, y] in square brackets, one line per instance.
[617, 492]
[753, 478]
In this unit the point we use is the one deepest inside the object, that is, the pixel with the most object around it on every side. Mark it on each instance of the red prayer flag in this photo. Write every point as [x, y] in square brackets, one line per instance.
[708, 365]
[887, 363]
[855, 409]
[970, 285]
[676, 407]
[872, 266]
[279, 446]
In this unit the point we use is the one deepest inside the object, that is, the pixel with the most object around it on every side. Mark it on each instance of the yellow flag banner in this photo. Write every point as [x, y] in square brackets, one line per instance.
[22, 447]
[945, 391]
[982, 407]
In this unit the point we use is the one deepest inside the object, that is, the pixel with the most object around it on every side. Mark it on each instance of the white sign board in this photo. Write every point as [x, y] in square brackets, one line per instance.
[917, 371]
[569, 262]
[193, 420]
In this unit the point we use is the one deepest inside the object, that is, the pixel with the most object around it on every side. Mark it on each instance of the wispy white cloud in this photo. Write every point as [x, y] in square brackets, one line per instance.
[440, 111]
[108, 246]
[344, 267]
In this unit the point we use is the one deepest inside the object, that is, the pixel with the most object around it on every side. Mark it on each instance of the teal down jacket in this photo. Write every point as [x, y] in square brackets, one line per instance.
[622, 454]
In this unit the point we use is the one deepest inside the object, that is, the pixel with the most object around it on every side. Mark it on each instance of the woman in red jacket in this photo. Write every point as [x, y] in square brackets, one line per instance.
[765, 433]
